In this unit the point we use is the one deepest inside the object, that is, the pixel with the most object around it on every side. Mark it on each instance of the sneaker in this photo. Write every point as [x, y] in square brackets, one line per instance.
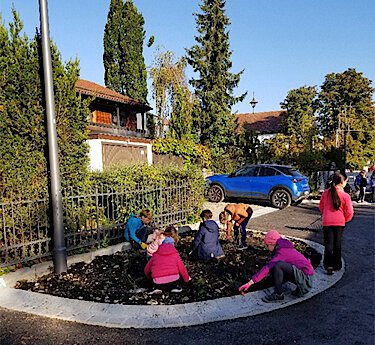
[297, 293]
[273, 298]
[155, 291]
[177, 289]
[242, 247]
[329, 271]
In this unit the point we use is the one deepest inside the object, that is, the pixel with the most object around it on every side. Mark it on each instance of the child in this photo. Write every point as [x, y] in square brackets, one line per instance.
[362, 186]
[372, 185]
[239, 214]
[158, 238]
[166, 267]
[135, 229]
[223, 226]
[206, 241]
[287, 265]
[337, 209]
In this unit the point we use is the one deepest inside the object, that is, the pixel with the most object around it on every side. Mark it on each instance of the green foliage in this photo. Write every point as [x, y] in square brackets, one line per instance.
[23, 165]
[174, 100]
[210, 57]
[191, 152]
[125, 69]
[151, 125]
[248, 147]
[298, 120]
[345, 100]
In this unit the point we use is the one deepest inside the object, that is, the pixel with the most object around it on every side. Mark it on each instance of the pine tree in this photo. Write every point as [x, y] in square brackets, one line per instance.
[210, 57]
[125, 69]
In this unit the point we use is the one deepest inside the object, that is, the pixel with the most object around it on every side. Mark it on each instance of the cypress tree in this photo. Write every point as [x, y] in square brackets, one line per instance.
[125, 69]
[210, 57]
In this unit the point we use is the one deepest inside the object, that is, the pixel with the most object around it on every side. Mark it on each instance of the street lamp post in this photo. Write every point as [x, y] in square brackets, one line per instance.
[59, 250]
[253, 103]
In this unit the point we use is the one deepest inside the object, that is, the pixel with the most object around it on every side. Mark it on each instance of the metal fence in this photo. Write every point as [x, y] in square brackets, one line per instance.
[94, 217]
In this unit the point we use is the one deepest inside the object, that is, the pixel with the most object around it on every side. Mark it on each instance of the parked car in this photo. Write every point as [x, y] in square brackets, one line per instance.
[279, 184]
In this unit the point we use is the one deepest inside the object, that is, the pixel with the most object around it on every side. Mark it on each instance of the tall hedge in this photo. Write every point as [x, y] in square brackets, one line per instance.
[23, 149]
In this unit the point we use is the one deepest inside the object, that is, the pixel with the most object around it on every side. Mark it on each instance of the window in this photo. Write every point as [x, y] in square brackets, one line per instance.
[289, 171]
[246, 171]
[264, 171]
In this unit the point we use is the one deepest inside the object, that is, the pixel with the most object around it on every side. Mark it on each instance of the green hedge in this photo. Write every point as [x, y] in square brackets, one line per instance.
[191, 153]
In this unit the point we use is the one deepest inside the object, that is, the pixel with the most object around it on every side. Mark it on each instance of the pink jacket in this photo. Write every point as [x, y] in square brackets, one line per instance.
[165, 262]
[285, 252]
[331, 217]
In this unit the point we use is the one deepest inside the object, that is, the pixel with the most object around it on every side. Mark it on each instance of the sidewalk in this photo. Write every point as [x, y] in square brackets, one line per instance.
[153, 316]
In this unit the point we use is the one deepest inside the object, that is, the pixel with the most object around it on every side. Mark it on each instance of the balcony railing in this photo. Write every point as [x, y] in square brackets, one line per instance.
[100, 128]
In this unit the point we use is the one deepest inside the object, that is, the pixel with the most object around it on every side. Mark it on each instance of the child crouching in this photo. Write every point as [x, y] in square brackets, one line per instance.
[158, 238]
[166, 267]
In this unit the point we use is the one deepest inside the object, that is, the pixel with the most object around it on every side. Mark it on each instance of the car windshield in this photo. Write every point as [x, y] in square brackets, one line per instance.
[289, 171]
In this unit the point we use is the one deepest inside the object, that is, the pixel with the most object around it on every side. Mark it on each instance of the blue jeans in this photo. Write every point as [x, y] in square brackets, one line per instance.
[236, 231]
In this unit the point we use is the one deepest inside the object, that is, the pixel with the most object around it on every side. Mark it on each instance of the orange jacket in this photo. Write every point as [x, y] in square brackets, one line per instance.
[239, 211]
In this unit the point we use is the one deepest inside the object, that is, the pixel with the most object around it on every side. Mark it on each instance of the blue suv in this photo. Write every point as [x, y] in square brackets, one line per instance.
[279, 184]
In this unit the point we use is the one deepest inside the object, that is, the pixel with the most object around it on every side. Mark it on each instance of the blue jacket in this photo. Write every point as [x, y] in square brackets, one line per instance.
[206, 240]
[132, 226]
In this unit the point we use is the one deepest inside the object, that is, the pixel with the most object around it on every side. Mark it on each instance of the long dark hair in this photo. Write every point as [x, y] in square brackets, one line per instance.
[336, 179]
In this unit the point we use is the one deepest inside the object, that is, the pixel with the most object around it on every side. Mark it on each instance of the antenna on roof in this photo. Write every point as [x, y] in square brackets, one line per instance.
[253, 102]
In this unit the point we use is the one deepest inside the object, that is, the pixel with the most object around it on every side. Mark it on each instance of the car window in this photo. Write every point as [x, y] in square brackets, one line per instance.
[245, 171]
[289, 171]
[265, 171]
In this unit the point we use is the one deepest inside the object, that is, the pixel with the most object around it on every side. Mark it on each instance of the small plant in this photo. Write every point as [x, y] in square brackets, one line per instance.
[6, 270]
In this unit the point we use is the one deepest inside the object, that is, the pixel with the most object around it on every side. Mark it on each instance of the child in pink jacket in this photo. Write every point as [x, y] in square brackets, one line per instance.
[166, 267]
[287, 265]
[337, 209]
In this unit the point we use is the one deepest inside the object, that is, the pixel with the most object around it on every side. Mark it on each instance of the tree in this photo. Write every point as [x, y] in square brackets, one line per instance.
[345, 103]
[298, 121]
[210, 57]
[124, 66]
[23, 163]
[174, 101]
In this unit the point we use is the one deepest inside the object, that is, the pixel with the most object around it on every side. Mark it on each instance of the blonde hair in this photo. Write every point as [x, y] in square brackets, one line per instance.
[170, 231]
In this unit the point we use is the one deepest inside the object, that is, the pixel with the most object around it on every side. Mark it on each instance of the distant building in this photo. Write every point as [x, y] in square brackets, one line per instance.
[117, 130]
[266, 124]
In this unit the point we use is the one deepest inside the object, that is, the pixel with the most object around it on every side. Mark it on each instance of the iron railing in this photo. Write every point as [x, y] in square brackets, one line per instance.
[95, 217]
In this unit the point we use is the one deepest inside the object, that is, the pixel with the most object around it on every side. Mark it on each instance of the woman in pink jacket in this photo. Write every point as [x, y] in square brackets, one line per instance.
[337, 209]
[287, 265]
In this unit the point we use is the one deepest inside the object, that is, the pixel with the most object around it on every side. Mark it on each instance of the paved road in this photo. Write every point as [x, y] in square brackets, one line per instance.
[341, 315]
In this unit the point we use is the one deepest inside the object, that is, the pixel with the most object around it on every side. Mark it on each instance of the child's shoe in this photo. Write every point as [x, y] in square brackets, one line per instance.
[155, 291]
[242, 247]
[177, 289]
[273, 298]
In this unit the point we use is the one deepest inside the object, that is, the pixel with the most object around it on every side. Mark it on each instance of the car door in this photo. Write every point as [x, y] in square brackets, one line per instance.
[240, 183]
[267, 178]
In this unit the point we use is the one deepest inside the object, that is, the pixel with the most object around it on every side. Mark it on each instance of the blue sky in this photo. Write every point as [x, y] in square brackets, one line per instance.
[281, 44]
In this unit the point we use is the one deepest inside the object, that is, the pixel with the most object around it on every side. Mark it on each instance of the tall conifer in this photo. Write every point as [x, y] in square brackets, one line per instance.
[125, 69]
[210, 57]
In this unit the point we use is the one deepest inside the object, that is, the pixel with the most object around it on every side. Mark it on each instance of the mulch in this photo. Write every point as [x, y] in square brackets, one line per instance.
[119, 278]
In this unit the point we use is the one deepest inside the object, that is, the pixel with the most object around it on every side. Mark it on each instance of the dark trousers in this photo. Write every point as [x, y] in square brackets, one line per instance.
[373, 194]
[242, 228]
[362, 193]
[332, 246]
[280, 273]
[142, 234]
[168, 286]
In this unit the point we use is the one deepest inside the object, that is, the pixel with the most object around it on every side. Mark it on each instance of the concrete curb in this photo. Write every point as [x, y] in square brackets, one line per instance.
[157, 316]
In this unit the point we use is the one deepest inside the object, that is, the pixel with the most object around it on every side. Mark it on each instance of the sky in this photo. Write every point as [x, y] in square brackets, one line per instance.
[280, 44]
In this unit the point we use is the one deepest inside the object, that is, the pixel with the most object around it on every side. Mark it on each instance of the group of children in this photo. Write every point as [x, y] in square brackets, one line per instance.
[167, 270]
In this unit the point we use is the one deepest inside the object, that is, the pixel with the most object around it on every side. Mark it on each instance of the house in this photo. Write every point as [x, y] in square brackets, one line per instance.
[267, 124]
[117, 130]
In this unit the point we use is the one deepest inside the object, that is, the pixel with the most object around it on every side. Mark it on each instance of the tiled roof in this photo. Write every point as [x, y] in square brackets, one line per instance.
[264, 122]
[89, 88]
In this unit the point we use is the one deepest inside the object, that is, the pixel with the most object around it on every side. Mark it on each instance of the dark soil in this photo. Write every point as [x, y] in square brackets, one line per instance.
[119, 278]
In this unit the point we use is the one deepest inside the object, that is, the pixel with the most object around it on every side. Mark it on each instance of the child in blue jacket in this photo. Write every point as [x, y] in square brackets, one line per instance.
[206, 241]
[135, 229]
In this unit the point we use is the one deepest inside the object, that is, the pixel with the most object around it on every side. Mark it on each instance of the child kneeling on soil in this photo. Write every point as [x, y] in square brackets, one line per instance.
[287, 265]
[166, 267]
[135, 229]
[206, 242]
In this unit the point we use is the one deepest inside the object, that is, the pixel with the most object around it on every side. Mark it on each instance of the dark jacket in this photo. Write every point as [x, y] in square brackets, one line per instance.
[206, 241]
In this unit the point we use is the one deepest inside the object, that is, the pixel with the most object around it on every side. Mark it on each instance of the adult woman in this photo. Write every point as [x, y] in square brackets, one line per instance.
[337, 209]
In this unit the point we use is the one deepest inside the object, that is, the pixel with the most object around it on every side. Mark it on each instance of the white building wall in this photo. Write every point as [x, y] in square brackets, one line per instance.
[96, 152]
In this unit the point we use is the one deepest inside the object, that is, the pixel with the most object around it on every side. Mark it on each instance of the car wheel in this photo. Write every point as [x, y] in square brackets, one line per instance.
[215, 193]
[280, 198]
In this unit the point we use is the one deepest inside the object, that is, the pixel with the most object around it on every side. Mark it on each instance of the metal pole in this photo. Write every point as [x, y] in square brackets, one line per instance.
[345, 132]
[59, 250]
